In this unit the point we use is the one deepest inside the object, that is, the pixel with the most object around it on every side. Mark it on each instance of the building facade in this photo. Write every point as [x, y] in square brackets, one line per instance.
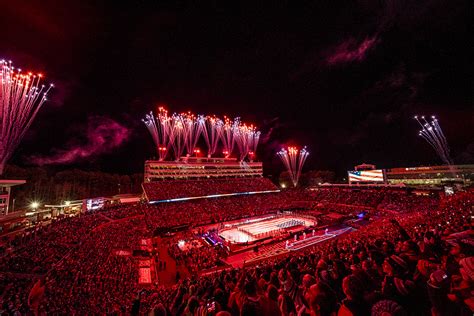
[5, 191]
[200, 168]
[432, 176]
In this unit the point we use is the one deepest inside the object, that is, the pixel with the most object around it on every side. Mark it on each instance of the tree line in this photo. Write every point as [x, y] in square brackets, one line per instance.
[53, 187]
[307, 179]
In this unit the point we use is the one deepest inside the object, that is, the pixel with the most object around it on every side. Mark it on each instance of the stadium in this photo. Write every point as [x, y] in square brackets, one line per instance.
[202, 219]
[206, 159]
[206, 218]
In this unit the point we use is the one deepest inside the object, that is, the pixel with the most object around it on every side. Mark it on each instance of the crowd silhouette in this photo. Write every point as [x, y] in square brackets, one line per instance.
[414, 257]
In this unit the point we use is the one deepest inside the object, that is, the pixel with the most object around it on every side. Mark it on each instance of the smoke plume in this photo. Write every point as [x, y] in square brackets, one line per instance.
[101, 136]
[351, 51]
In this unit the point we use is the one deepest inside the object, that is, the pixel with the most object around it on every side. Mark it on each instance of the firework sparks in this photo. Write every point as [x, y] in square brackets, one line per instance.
[247, 139]
[293, 159]
[433, 134]
[212, 131]
[180, 134]
[21, 97]
[159, 130]
[227, 136]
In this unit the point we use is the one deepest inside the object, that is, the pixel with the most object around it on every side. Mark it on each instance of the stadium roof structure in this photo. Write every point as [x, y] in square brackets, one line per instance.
[365, 166]
[10, 183]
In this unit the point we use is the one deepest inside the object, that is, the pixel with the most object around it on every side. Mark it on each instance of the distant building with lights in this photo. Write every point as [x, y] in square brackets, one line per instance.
[428, 176]
[5, 195]
[432, 176]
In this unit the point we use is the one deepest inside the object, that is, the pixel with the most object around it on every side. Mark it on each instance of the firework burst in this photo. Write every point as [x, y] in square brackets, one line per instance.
[293, 159]
[179, 134]
[21, 97]
[433, 134]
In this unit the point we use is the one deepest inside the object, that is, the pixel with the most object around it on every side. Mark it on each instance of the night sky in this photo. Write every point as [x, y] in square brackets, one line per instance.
[342, 77]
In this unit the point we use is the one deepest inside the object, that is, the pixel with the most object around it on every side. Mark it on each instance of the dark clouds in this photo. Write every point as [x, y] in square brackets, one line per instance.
[102, 136]
[343, 78]
[351, 51]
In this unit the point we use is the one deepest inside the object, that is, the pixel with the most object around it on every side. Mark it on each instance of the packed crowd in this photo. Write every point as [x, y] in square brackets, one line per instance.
[347, 196]
[35, 252]
[14, 290]
[406, 203]
[93, 280]
[173, 189]
[31, 255]
[123, 211]
[198, 212]
[346, 201]
[384, 266]
[412, 266]
[205, 211]
[194, 253]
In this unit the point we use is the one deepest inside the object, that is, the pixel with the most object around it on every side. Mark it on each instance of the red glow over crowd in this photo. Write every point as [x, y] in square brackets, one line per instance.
[174, 189]
[413, 257]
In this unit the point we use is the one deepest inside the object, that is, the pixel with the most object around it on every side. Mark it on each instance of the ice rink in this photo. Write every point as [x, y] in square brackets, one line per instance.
[257, 230]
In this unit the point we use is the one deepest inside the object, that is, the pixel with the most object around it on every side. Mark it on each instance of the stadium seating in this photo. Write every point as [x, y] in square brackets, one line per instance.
[416, 260]
[176, 189]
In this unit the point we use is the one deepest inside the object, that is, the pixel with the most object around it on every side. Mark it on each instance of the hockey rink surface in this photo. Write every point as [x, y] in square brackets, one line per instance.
[256, 230]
